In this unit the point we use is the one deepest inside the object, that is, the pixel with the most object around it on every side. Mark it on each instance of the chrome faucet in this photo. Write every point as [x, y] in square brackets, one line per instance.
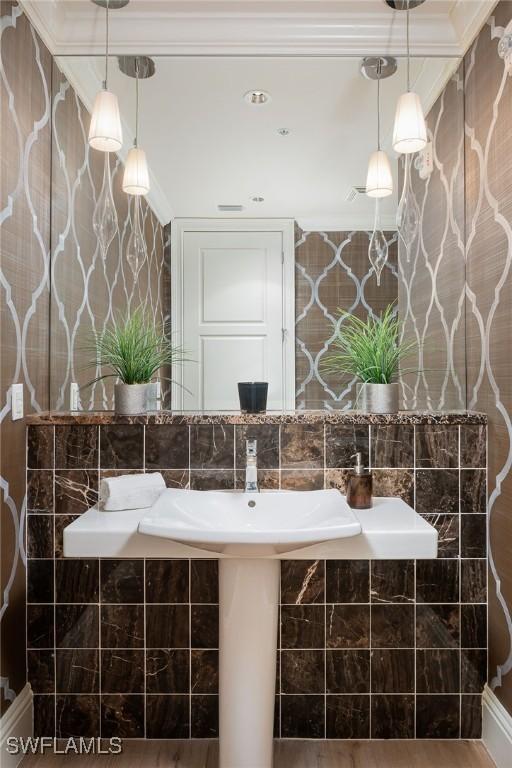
[251, 468]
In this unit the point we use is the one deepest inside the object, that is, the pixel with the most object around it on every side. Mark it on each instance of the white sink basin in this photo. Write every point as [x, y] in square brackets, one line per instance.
[254, 524]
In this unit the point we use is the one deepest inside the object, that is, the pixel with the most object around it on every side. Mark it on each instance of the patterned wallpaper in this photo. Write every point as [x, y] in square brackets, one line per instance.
[46, 238]
[333, 272]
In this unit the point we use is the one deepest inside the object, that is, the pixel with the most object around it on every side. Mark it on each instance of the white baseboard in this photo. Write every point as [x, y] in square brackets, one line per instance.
[17, 721]
[496, 729]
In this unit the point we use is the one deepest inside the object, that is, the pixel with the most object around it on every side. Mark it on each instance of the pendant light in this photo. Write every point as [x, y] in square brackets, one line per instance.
[410, 131]
[105, 132]
[136, 176]
[379, 180]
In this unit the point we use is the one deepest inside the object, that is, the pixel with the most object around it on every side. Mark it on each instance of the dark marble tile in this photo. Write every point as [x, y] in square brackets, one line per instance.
[204, 671]
[175, 478]
[122, 671]
[76, 447]
[40, 536]
[342, 442]
[473, 670]
[473, 586]
[473, 491]
[40, 626]
[40, 581]
[167, 626]
[437, 670]
[212, 446]
[447, 527]
[437, 581]
[437, 491]
[77, 626]
[267, 436]
[438, 717]
[167, 581]
[167, 671]
[122, 446]
[204, 581]
[268, 479]
[392, 581]
[76, 490]
[437, 446]
[347, 671]
[473, 626]
[76, 581]
[61, 522]
[348, 626]
[337, 478]
[392, 717]
[77, 716]
[393, 446]
[167, 446]
[40, 447]
[122, 626]
[473, 439]
[347, 717]
[471, 717]
[302, 446]
[302, 581]
[167, 717]
[473, 535]
[437, 626]
[394, 482]
[347, 581]
[122, 581]
[41, 671]
[392, 626]
[40, 491]
[122, 716]
[77, 670]
[302, 626]
[302, 480]
[44, 715]
[392, 670]
[204, 626]
[302, 717]
[212, 479]
[302, 671]
[204, 717]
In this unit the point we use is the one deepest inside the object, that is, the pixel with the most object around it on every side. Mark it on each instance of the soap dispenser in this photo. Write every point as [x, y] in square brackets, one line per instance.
[359, 485]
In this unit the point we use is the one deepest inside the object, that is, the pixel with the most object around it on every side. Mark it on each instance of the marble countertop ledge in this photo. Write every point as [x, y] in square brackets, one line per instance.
[269, 417]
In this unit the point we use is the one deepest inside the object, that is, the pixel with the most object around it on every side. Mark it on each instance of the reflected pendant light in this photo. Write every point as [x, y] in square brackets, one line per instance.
[410, 131]
[136, 176]
[105, 132]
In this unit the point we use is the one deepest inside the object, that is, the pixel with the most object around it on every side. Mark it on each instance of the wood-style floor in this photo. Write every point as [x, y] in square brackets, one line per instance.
[288, 754]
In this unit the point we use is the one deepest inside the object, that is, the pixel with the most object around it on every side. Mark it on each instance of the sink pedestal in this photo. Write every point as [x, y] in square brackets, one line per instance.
[249, 608]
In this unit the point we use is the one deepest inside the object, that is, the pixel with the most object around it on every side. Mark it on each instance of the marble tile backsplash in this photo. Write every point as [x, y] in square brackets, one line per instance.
[367, 649]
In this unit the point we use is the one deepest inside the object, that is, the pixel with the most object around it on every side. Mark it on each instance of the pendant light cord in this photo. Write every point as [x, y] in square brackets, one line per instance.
[379, 74]
[136, 100]
[408, 51]
[105, 82]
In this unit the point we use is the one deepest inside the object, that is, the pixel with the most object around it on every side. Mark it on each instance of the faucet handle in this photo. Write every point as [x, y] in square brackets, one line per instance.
[251, 447]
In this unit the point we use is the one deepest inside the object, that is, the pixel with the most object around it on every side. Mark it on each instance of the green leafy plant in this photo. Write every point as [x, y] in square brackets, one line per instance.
[369, 349]
[134, 348]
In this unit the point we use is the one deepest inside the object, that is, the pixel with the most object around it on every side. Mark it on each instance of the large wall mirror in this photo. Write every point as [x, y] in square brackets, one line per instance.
[257, 226]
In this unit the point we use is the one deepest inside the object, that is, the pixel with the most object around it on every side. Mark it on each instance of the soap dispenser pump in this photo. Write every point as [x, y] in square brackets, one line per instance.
[359, 485]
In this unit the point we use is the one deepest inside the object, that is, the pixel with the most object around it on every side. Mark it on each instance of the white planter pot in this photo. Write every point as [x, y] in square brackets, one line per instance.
[130, 399]
[377, 398]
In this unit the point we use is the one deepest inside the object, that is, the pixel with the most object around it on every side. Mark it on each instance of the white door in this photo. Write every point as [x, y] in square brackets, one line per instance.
[233, 316]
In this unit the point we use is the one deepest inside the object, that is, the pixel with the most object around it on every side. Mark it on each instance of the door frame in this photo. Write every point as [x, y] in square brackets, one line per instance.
[286, 227]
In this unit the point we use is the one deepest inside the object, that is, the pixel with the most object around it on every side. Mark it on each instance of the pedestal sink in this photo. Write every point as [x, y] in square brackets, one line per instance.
[250, 528]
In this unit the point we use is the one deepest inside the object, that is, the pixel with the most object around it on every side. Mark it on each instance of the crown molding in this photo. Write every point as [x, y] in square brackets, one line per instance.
[355, 223]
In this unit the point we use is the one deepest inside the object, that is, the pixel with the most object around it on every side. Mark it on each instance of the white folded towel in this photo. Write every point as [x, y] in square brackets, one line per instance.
[131, 491]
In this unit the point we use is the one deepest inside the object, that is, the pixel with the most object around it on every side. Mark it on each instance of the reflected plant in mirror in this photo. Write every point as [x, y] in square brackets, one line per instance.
[134, 349]
[371, 350]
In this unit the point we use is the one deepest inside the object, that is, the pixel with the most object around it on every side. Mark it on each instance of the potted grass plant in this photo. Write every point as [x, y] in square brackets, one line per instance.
[371, 350]
[133, 350]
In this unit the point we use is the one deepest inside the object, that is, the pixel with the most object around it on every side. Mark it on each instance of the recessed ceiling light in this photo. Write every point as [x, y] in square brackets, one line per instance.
[257, 199]
[283, 131]
[257, 98]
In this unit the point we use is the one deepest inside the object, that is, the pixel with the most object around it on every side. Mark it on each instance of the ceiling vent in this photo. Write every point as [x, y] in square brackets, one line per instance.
[230, 208]
[354, 193]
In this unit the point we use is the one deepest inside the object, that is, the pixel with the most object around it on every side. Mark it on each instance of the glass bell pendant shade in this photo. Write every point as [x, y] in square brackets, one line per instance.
[379, 181]
[136, 176]
[105, 132]
[410, 130]
[408, 212]
[136, 252]
[378, 248]
[104, 220]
